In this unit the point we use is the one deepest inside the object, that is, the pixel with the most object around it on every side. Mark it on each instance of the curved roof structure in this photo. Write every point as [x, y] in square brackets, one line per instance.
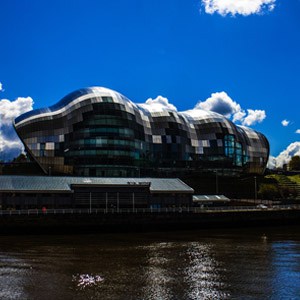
[99, 132]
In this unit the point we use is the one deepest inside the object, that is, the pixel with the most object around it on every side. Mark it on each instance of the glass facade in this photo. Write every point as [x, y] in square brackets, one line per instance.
[99, 132]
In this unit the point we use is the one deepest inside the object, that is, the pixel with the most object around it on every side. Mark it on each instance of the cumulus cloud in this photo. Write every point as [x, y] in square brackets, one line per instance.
[9, 110]
[10, 145]
[160, 103]
[218, 102]
[1, 87]
[238, 7]
[239, 116]
[221, 103]
[285, 123]
[298, 131]
[271, 162]
[286, 155]
[254, 116]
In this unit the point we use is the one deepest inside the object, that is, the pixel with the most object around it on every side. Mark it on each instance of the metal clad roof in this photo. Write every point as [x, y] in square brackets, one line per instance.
[64, 184]
[33, 183]
[172, 185]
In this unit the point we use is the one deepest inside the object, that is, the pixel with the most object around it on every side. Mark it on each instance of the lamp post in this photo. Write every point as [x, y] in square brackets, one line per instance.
[138, 169]
[133, 205]
[106, 202]
[118, 200]
[255, 189]
[217, 183]
[90, 202]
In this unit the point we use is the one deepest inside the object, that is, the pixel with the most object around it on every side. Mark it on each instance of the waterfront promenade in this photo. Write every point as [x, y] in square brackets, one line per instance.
[175, 210]
[144, 219]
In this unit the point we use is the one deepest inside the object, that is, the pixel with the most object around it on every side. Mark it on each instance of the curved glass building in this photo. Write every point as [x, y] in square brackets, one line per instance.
[99, 132]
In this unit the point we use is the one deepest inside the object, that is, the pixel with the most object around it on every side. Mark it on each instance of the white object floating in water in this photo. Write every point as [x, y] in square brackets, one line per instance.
[86, 280]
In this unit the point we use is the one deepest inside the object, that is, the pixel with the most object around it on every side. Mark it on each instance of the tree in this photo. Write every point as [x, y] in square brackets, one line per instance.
[294, 163]
[268, 191]
[22, 158]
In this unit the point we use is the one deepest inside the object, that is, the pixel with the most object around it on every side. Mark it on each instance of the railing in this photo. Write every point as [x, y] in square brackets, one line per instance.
[146, 210]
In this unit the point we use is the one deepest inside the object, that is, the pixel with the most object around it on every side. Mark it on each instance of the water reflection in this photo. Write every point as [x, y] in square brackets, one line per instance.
[12, 274]
[189, 272]
[202, 273]
[286, 264]
[156, 273]
[236, 264]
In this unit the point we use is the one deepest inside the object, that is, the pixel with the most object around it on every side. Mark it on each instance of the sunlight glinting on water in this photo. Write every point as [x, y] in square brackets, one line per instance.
[156, 273]
[202, 274]
[12, 273]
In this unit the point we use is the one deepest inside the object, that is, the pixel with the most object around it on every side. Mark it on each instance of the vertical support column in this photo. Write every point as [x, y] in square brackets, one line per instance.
[217, 183]
[255, 189]
[118, 202]
[90, 202]
[106, 200]
[133, 201]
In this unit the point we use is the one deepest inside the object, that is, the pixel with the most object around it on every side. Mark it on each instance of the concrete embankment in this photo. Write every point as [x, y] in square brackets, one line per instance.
[107, 222]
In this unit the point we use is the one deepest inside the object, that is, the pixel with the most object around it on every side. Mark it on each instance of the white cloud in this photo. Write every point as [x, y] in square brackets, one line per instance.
[239, 116]
[1, 87]
[221, 103]
[285, 156]
[285, 123]
[10, 145]
[9, 110]
[158, 104]
[238, 7]
[297, 131]
[254, 116]
[271, 162]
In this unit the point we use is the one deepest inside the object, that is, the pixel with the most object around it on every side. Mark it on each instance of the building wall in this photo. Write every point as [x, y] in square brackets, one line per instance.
[95, 198]
[23, 200]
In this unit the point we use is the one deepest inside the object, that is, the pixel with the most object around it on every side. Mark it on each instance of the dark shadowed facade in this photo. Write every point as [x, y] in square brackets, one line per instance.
[99, 132]
[35, 192]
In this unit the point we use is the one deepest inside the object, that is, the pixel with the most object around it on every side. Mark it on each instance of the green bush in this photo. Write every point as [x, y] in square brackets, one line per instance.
[288, 192]
[268, 191]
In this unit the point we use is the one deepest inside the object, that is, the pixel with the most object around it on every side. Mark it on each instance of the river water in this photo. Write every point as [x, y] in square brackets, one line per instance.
[257, 263]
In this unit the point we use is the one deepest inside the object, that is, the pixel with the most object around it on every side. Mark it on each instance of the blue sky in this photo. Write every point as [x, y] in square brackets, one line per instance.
[231, 55]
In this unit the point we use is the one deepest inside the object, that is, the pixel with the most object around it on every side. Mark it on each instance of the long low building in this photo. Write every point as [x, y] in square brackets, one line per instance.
[36, 192]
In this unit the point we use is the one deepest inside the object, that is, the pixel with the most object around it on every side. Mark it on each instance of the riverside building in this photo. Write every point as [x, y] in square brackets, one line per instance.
[98, 132]
[67, 192]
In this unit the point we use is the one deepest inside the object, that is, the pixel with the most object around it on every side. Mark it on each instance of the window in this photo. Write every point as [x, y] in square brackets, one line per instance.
[234, 150]
[107, 99]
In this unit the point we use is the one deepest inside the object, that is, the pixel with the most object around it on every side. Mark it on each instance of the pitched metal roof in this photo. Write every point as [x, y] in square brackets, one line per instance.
[64, 184]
